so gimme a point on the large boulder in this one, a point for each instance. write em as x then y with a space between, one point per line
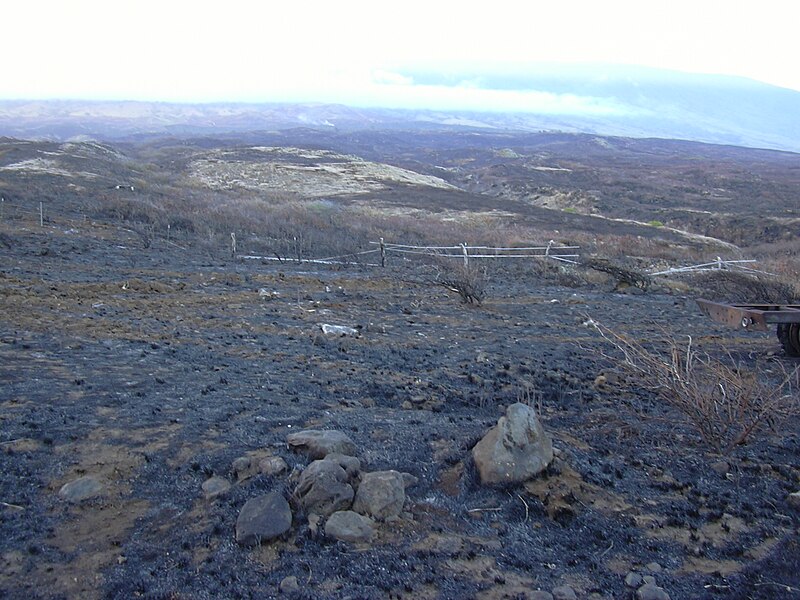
319 443
324 488
515 449
263 518
381 494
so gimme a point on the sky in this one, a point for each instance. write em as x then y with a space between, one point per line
365 52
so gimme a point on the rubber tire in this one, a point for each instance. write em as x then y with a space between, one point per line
789 337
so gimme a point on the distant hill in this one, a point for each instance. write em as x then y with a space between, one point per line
640 102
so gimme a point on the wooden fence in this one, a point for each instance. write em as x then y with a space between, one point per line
717 265
566 254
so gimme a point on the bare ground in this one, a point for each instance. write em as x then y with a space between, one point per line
152 369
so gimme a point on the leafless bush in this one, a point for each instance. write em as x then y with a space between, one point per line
727 401
469 281
623 275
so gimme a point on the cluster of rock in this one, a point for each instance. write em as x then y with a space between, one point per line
332 488
645 585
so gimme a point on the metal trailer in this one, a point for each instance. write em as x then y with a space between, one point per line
757 317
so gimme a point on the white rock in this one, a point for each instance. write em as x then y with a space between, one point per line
339 330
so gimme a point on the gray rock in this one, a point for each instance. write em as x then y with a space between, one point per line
81 489
654 567
318 444
633 580
323 488
272 465
540 595
564 592
794 499
721 467
349 526
514 450
289 585
649 580
350 464
263 518
215 486
381 494
244 468
651 591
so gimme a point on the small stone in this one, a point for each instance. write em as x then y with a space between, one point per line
654 567
409 480
81 489
633 580
649 580
651 591
720 467
272 465
318 444
323 488
313 524
349 526
540 595
244 468
564 592
263 518
215 486
350 464
381 494
240 464
794 499
338 330
289 585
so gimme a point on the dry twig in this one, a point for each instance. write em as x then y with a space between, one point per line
726 400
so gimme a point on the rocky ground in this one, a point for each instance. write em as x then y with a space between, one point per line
149 394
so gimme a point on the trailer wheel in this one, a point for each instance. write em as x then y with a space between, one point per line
789 336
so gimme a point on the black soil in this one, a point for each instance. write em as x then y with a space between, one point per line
152 369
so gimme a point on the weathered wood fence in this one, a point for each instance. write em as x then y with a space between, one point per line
717 265
566 254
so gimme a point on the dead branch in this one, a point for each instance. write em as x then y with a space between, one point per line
727 401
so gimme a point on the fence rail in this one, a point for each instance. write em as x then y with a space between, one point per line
717 265
567 254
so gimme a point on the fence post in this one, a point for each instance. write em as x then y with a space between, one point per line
233 245
383 253
41 214
168 230
719 264
466 255
2 207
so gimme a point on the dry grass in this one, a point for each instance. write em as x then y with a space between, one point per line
727 401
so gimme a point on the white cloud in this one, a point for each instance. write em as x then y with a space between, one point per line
253 49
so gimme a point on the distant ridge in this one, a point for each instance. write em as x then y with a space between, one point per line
646 103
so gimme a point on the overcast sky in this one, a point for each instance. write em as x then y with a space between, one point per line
360 52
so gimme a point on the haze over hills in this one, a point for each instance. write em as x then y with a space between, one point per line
622 101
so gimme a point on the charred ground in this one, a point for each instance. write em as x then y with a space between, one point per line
151 359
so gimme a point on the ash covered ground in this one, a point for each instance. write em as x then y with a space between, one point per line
153 369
